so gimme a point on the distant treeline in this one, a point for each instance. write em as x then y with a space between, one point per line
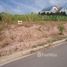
51 13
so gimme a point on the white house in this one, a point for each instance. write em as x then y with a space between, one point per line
55 9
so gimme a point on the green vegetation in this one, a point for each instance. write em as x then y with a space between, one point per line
61 29
8 18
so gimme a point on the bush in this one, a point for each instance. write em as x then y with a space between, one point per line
61 29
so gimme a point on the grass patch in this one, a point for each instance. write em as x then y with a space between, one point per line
32 17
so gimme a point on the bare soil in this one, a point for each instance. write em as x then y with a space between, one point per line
25 36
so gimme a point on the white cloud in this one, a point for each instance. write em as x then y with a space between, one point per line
1 8
21 6
42 3
58 2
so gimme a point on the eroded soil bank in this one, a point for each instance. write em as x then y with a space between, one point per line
25 36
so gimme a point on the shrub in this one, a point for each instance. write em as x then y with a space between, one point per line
61 29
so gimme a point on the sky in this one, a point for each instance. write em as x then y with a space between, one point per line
27 6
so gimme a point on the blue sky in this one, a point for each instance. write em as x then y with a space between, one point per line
27 6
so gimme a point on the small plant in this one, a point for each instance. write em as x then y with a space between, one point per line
61 29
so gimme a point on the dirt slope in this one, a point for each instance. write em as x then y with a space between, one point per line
22 37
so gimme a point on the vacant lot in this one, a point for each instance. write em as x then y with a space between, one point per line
17 37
